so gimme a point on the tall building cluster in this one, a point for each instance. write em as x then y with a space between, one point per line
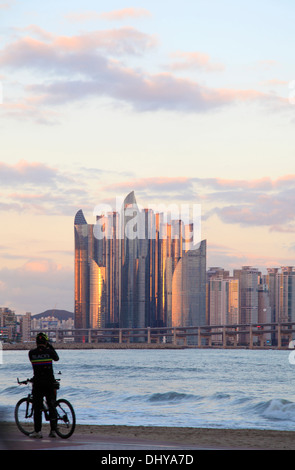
130 279
135 269
14 328
248 296
21 328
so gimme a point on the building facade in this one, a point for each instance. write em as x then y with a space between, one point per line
133 269
281 286
248 293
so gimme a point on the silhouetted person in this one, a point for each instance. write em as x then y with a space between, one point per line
43 383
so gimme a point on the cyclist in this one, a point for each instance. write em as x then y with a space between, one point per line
43 383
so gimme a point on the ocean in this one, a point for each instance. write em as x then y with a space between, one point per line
212 388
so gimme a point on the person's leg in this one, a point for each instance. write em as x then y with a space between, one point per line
37 403
51 398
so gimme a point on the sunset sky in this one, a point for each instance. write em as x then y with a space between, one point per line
190 102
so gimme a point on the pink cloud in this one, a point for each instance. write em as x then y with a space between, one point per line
29 109
264 183
36 30
81 67
288 228
77 17
194 60
49 50
115 15
26 172
160 183
118 41
274 82
125 13
37 266
28 287
285 180
5 5
27 197
259 202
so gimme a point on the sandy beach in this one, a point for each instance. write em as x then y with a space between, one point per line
210 438
191 438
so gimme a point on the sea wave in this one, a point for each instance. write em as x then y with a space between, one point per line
197 388
279 409
171 397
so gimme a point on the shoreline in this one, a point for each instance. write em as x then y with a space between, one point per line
197 438
87 346
162 346
260 439
191 438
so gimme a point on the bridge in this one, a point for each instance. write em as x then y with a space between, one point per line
258 335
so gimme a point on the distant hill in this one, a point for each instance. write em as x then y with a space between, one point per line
59 314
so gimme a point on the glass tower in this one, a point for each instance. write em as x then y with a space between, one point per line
132 270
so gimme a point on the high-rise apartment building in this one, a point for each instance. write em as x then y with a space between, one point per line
26 327
189 288
134 269
248 297
224 301
281 285
248 293
7 324
222 297
271 282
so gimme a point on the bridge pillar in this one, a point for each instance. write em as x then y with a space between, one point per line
224 337
199 337
250 337
279 336
174 336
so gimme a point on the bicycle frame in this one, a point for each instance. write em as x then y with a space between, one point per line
65 412
30 409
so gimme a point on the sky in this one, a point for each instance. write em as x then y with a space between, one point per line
189 102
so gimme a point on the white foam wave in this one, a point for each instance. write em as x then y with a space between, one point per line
278 409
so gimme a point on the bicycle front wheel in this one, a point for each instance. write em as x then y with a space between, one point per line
24 416
66 419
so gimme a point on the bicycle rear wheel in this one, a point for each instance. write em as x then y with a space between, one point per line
24 416
66 419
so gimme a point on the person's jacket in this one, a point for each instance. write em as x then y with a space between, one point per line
41 358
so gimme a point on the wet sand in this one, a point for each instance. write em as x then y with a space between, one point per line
189 438
251 439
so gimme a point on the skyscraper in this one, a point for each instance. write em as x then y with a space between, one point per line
133 269
248 295
82 261
281 285
189 288
222 297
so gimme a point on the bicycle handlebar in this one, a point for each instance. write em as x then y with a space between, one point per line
24 382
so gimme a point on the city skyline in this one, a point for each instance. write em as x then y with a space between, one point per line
190 103
138 268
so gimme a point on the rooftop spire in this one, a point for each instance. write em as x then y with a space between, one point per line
79 218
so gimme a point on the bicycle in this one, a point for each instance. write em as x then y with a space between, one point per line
24 413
